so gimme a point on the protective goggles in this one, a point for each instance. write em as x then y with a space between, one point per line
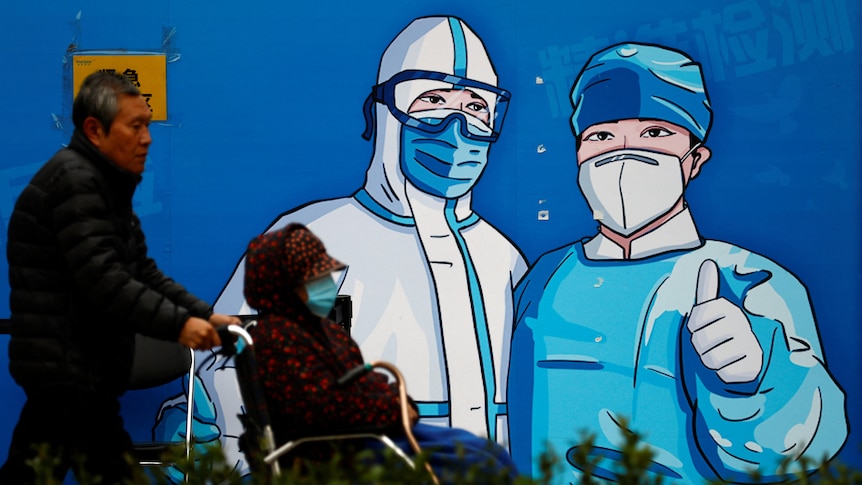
431 101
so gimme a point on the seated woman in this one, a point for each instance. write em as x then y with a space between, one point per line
301 354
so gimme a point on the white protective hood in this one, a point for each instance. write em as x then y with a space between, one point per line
426 44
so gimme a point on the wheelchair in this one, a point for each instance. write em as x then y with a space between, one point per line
258 441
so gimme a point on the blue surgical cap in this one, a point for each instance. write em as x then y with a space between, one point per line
631 81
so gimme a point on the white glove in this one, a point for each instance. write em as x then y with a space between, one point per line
721 333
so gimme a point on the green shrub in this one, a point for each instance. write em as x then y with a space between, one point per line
210 467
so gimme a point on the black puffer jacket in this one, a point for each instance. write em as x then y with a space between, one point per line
82 283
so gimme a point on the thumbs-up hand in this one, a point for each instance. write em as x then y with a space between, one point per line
721 333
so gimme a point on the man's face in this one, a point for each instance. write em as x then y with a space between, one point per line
129 139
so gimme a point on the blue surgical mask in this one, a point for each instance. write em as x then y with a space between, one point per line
445 164
321 295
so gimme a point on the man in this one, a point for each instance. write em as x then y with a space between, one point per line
431 282
83 286
708 350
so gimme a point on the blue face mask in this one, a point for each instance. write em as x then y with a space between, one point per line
445 163
321 295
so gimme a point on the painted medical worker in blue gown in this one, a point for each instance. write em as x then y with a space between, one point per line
431 282
707 349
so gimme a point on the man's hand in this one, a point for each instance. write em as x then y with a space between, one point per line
721 333
199 334
217 319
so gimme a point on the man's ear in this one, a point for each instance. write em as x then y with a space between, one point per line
93 130
699 157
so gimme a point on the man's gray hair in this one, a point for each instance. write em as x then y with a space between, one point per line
98 98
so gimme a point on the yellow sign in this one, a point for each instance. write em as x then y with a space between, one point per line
146 71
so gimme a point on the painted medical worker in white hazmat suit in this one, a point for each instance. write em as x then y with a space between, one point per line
431 282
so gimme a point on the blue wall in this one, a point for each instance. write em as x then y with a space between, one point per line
265 98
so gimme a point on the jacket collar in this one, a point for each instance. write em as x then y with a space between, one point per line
116 175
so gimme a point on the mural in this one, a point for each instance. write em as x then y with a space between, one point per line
708 349
715 145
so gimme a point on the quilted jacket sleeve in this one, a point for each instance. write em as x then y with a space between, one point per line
108 264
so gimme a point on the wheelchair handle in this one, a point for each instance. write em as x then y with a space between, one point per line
234 338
